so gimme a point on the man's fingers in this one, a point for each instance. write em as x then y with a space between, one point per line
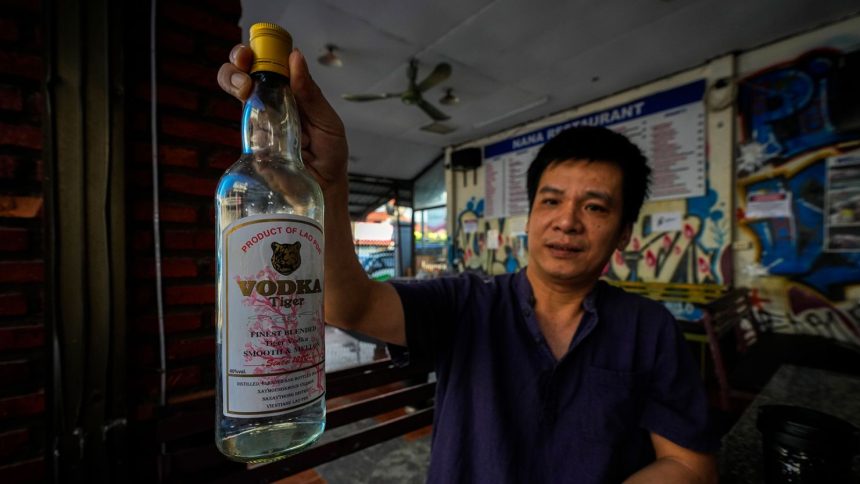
313 105
242 57
234 81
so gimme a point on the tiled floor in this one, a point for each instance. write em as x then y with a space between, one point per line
399 461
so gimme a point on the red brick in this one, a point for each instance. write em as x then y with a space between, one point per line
21 135
13 167
32 470
178 156
15 372
201 20
22 405
8 30
229 7
191 185
202 294
169 212
175 42
22 65
224 108
22 337
177 379
22 271
170 155
218 52
169 96
34 106
189 239
13 440
13 304
173 323
27 5
184 377
10 97
205 241
171 267
13 240
222 159
195 74
38 171
178 239
191 347
200 131
8 166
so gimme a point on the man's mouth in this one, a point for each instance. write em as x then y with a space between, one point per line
565 248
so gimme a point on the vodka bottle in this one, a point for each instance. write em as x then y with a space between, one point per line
270 388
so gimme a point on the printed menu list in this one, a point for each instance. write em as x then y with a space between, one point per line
669 128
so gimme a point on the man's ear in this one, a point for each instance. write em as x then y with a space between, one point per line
626 232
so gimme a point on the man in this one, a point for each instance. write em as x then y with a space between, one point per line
547 375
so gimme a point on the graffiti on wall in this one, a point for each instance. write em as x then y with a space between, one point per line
696 253
473 250
787 135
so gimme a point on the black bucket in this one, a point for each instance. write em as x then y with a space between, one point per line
803 446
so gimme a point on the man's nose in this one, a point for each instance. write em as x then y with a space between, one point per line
569 221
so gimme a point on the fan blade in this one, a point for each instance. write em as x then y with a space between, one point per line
432 111
439 74
368 97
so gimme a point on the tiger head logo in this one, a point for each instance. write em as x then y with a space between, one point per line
286 258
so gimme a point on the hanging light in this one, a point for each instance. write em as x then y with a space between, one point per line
330 59
449 98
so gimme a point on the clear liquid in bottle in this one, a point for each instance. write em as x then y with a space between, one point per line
270 387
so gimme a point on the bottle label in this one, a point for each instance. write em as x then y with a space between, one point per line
273 332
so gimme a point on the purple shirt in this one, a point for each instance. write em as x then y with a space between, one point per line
507 411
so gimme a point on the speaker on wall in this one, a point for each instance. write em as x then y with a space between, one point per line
467 158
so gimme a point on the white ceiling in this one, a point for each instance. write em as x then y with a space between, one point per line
529 58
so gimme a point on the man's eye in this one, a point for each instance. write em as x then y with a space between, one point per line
549 201
595 208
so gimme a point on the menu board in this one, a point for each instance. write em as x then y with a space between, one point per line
842 203
669 128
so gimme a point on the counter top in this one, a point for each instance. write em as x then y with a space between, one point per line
837 394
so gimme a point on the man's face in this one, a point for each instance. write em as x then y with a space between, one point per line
575 222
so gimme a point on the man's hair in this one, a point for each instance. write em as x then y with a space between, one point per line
597 144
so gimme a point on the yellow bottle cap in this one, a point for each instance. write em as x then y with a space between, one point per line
271 46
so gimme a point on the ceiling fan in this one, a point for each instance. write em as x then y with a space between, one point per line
412 94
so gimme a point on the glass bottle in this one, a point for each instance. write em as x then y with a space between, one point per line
270 384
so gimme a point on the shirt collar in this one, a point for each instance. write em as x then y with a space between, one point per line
526 296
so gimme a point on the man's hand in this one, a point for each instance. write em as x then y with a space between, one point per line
324 147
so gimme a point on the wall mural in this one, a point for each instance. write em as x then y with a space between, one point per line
472 250
787 137
695 253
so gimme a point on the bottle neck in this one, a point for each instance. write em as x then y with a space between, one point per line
270 120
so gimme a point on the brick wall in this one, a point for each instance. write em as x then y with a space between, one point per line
23 359
198 139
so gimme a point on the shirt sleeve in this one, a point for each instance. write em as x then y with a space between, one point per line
431 309
676 406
